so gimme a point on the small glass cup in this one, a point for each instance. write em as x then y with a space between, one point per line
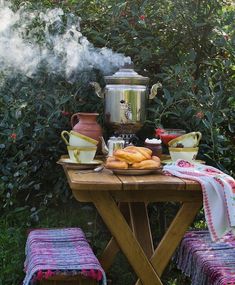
155 148
169 134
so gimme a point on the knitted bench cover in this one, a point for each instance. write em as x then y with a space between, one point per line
64 251
207 262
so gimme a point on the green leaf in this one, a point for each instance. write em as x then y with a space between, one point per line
206 124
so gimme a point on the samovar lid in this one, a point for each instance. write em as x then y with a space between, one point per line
127 75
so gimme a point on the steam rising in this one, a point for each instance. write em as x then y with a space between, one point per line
60 46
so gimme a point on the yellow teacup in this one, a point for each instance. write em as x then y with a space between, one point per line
188 140
186 153
81 154
77 139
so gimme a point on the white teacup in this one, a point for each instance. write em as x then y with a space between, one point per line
188 140
81 154
77 139
186 153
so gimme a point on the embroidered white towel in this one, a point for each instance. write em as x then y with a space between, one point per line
218 194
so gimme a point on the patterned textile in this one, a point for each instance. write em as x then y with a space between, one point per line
218 194
60 251
205 261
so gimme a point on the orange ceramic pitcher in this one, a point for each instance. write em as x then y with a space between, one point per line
86 124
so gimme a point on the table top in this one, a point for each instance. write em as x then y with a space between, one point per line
107 181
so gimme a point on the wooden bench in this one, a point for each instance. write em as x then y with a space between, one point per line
207 262
61 256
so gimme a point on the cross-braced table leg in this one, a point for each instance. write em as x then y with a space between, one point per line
112 247
173 236
136 215
125 238
141 227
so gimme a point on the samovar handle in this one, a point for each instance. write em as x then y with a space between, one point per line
98 90
154 89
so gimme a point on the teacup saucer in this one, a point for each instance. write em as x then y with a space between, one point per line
75 165
169 161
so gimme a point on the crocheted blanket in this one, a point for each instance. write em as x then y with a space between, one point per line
207 262
218 191
60 251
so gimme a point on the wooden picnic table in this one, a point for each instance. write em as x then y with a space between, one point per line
122 203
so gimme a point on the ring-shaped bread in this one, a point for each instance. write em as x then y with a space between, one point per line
147 164
116 164
146 152
129 155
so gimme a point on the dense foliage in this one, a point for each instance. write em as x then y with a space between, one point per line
34 112
187 45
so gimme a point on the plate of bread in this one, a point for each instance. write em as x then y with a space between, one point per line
133 160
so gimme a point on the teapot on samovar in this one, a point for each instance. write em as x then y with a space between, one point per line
126 96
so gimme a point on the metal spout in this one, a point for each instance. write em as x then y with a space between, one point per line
154 90
98 90
104 147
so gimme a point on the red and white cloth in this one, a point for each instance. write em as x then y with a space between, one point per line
218 194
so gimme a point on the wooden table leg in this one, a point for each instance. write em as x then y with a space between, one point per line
120 230
112 247
136 215
141 227
173 236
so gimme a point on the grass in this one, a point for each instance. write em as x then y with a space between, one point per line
13 235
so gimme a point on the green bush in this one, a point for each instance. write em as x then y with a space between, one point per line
34 111
34 108
187 45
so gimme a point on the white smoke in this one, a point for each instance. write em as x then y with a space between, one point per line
65 51
14 52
